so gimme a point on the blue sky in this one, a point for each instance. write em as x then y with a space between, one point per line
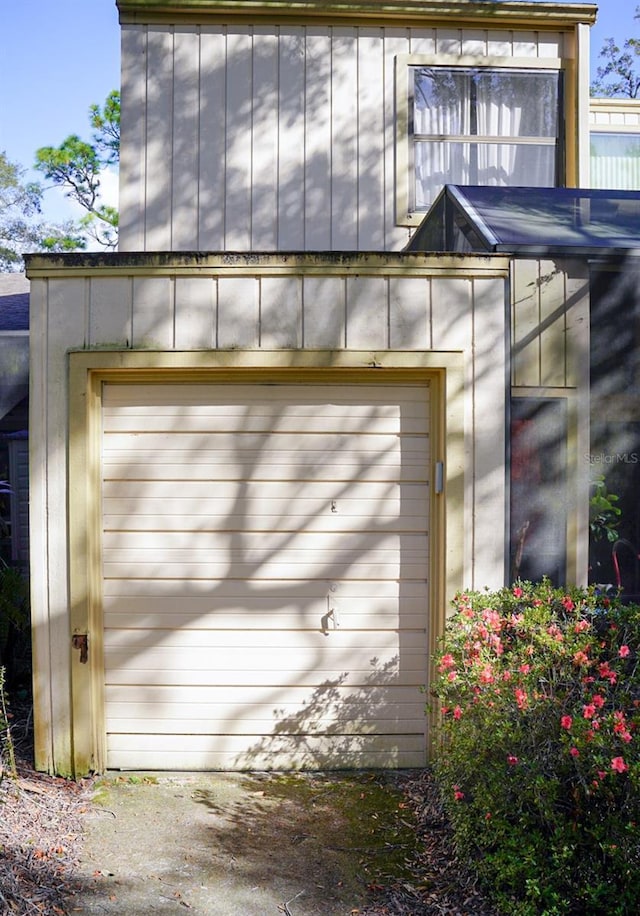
57 58
60 56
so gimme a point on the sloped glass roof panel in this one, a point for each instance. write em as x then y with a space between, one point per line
535 221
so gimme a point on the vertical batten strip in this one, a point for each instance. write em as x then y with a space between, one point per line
133 128
211 152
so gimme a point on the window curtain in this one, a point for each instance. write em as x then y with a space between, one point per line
442 108
484 103
513 105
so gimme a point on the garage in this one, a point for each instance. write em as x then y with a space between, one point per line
265 559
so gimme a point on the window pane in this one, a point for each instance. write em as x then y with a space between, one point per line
516 165
463 102
615 161
441 101
507 164
437 164
516 104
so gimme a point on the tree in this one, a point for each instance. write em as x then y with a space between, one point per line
76 166
20 228
618 77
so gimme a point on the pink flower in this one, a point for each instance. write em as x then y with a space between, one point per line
606 672
486 675
574 752
522 699
447 661
566 722
511 760
589 711
492 618
517 592
597 701
524 669
581 626
567 603
457 794
624 651
580 658
619 765
457 713
452 675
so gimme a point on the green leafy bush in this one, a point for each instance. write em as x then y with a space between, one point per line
7 754
539 694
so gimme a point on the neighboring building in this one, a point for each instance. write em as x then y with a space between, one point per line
268 443
615 143
14 410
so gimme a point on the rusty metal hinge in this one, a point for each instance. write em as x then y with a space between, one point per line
81 641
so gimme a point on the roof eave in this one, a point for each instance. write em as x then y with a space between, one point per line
389 12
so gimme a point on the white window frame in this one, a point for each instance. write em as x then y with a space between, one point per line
405 63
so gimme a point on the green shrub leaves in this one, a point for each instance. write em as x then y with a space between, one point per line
539 695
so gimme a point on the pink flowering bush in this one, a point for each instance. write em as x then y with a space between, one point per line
538 694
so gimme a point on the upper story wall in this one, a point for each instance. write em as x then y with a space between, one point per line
272 127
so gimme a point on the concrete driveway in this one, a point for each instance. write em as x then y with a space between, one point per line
238 844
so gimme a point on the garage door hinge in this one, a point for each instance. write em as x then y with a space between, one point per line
439 481
81 641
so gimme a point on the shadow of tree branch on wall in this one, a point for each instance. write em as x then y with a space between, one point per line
340 726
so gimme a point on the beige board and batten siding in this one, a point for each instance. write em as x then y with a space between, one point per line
143 318
284 137
265 561
550 359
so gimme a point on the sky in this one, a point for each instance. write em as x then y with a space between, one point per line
57 58
60 56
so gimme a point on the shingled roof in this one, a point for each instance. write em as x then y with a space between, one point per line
14 302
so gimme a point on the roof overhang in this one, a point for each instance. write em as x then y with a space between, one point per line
384 12
531 222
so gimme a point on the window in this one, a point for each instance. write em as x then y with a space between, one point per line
615 160
481 126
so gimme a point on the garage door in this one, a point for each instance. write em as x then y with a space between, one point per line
265 555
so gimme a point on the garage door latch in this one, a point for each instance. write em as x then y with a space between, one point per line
81 641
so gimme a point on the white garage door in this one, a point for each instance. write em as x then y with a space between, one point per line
265 575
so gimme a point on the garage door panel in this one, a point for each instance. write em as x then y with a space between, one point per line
327 752
231 589
282 521
253 724
363 605
275 697
366 677
369 640
235 519
227 619
270 447
259 494
180 543
272 571
331 661
139 468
